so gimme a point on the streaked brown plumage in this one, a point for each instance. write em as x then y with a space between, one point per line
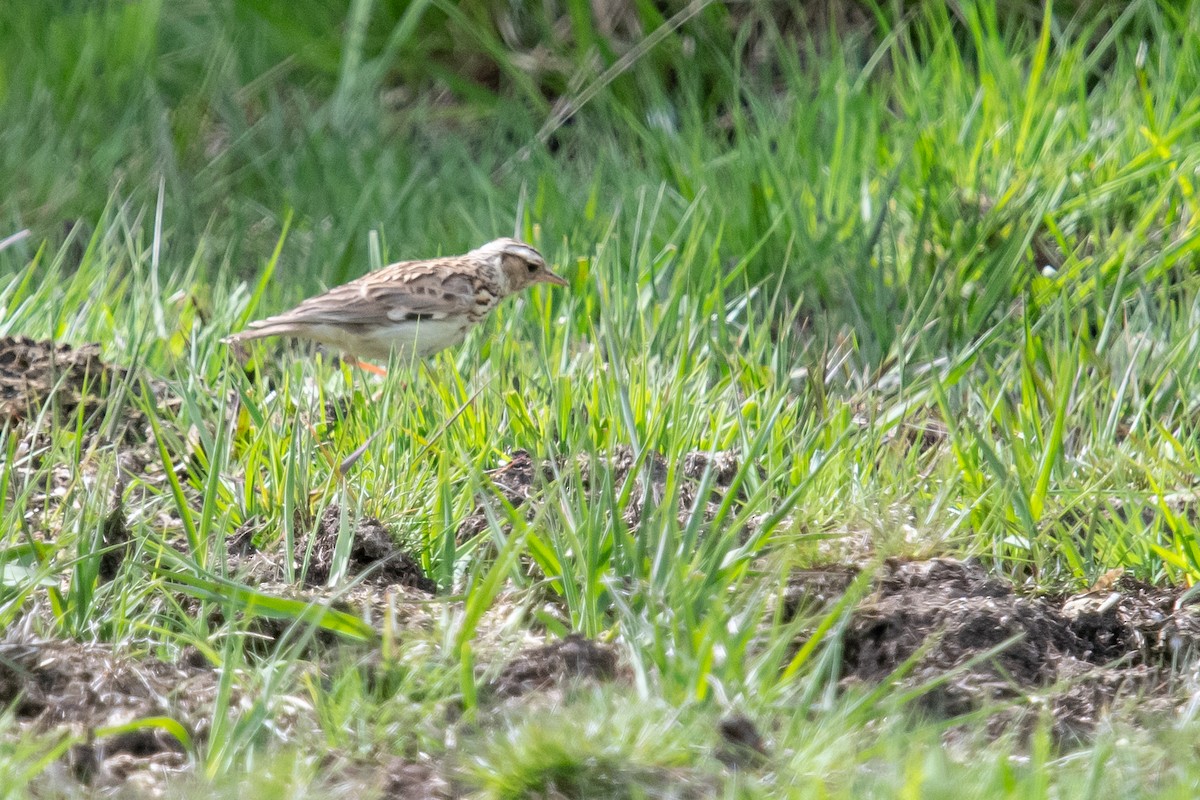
414 307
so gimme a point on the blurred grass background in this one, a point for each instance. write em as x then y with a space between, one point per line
857 143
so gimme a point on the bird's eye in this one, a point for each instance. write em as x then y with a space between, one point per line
531 266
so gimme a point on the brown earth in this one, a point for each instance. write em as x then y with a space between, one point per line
43 384
1076 657
413 780
373 558
32 371
546 671
741 746
381 581
572 658
82 688
75 380
518 480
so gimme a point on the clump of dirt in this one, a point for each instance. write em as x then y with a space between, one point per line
741 745
116 539
31 371
817 587
39 377
516 481
621 466
413 780
374 558
76 379
957 613
56 685
378 584
571 658
1079 655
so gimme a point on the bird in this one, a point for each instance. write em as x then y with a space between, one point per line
411 308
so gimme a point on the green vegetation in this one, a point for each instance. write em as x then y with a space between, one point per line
928 269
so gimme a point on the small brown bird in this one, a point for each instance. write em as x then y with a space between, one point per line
414 308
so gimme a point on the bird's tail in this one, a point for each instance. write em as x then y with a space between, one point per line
258 330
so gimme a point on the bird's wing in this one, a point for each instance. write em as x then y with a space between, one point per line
403 292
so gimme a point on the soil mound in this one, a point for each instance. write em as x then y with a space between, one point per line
948 625
517 481
568 659
86 687
374 558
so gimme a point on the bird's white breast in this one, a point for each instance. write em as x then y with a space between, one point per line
410 339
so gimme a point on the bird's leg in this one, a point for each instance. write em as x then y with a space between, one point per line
366 366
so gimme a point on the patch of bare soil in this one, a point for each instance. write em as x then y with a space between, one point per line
76 380
32 371
81 688
381 580
545 670
515 482
413 780
45 383
741 746
1076 656
817 587
374 559
570 659
518 480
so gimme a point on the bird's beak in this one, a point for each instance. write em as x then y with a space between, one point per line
550 277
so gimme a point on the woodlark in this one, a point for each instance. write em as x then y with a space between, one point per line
414 308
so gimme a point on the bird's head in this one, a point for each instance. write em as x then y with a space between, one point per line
521 264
